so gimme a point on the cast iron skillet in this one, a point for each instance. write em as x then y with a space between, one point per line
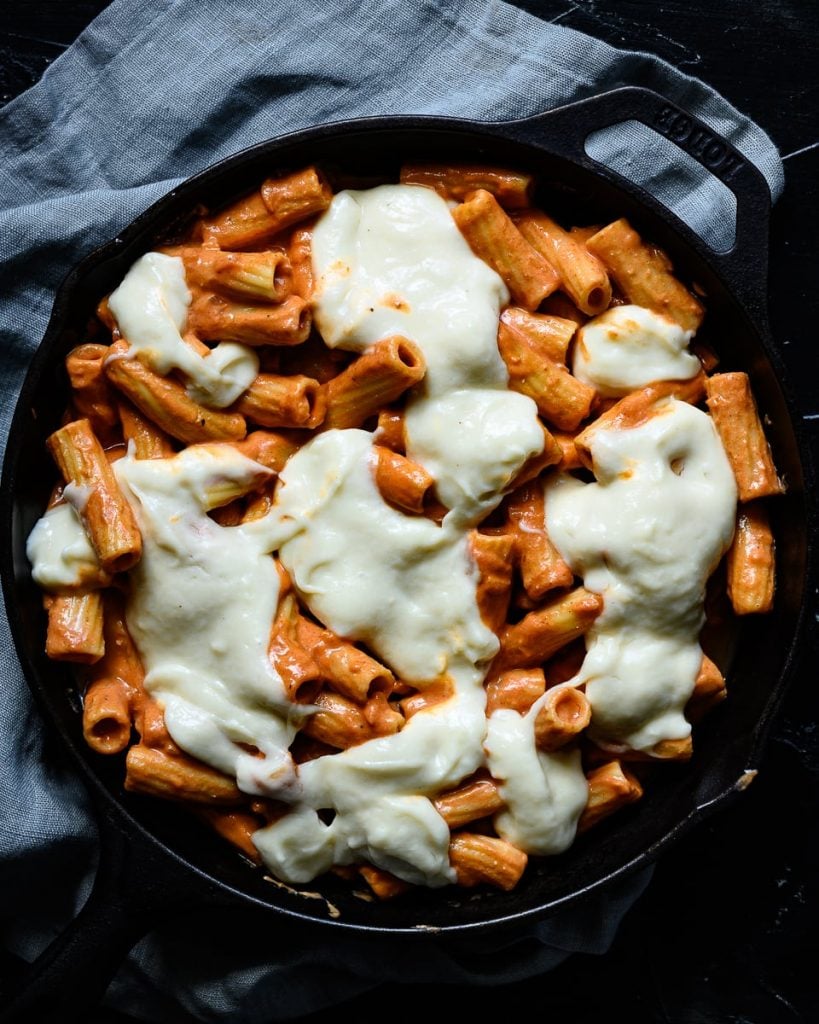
154 859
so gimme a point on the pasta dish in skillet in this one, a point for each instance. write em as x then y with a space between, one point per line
385 521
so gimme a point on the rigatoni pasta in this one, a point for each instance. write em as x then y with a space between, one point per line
213 318
165 402
75 627
644 274
259 276
512 189
91 395
531 349
403 483
106 515
582 275
347 551
494 238
375 379
732 406
273 400
259 217
751 562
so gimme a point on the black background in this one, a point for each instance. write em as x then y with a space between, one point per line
728 929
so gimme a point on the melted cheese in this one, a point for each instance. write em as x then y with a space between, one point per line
406 587
202 601
629 346
401 584
473 442
59 549
391 260
544 793
151 306
646 536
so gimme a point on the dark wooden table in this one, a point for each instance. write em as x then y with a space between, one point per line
728 929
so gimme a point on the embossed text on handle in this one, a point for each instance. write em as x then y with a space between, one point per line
696 140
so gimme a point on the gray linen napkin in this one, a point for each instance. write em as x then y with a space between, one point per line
148 95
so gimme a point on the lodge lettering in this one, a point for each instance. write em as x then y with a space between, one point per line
695 140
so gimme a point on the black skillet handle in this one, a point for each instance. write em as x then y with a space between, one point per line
137 886
566 129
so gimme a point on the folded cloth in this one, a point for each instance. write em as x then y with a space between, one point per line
154 92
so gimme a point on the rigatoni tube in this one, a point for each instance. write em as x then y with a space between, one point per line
494 238
103 509
375 379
